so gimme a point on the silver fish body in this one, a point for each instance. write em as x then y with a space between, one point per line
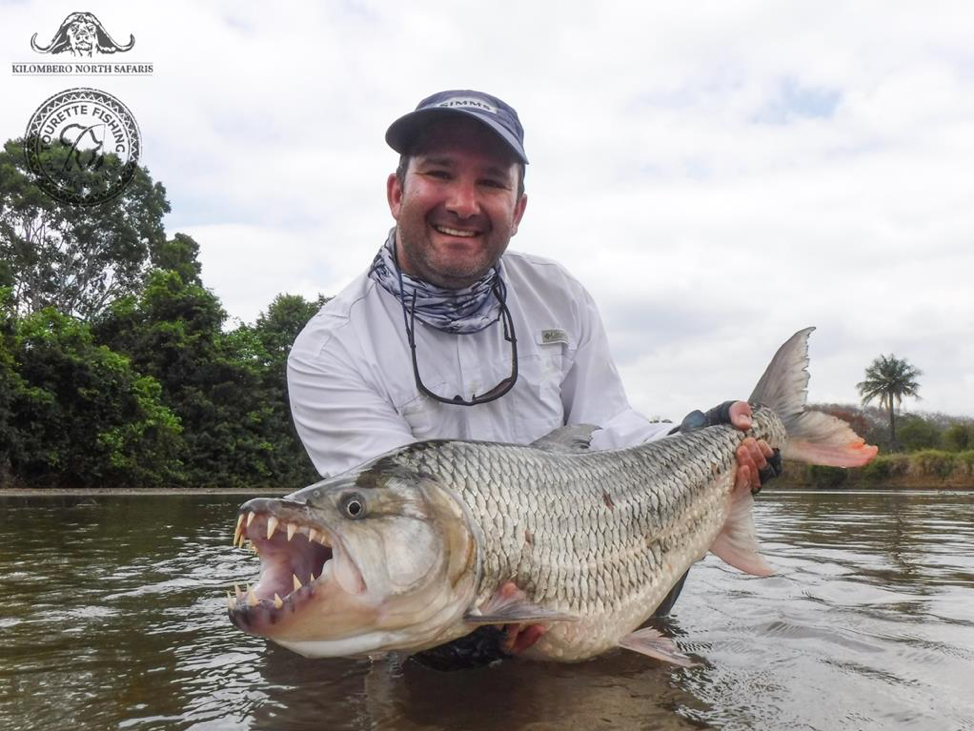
602 536
574 548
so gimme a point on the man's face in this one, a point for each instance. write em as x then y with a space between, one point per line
458 207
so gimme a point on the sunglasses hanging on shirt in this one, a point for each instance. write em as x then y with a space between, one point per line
499 290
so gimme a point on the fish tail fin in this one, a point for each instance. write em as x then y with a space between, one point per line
812 436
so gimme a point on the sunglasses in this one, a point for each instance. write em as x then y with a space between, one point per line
409 319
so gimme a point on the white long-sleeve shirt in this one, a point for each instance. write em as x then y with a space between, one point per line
354 396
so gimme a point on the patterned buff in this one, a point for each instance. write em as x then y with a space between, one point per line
462 311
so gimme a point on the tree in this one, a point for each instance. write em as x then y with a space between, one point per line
81 416
917 433
216 382
276 329
75 259
959 437
180 254
888 380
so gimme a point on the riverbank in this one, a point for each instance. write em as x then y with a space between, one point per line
929 469
924 470
95 492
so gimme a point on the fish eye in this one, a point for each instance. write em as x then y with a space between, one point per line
353 506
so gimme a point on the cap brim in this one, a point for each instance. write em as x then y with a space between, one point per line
404 130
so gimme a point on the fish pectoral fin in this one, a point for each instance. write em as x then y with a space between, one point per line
510 605
650 642
737 543
573 439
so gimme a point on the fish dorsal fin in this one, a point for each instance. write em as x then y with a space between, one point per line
571 439
784 385
510 605
650 642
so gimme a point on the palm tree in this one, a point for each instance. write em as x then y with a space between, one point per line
889 379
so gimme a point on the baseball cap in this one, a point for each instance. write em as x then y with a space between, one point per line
491 111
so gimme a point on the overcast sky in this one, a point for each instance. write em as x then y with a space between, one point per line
719 175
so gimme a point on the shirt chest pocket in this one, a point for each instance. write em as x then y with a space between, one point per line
542 370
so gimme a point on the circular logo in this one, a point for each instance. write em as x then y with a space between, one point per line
82 146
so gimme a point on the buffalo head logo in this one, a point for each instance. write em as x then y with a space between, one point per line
82 34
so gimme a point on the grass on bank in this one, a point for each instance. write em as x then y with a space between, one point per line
924 468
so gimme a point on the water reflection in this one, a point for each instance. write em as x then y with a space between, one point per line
113 617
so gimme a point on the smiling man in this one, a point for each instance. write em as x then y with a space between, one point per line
449 335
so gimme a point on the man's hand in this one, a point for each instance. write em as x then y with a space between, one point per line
752 454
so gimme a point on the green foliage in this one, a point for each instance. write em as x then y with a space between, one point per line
825 477
276 330
917 433
959 437
965 462
227 389
73 259
932 463
114 364
886 466
179 254
888 380
82 415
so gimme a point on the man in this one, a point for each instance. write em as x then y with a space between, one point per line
449 335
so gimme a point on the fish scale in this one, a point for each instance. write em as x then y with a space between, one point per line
423 543
610 531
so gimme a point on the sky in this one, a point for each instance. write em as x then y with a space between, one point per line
718 175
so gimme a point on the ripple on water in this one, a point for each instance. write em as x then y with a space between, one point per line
867 625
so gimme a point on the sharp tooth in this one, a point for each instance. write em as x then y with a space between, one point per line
250 518
278 602
229 601
271 526
236 590
291 527
237 530
322 541
312 577
312 534
326 570
297 584
251 598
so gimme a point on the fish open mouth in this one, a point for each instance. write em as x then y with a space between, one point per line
298 562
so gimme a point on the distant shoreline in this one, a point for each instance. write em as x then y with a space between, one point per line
94 491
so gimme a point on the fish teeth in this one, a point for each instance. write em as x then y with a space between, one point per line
297 583
271 526
278 602
291 528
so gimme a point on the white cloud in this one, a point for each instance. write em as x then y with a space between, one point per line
717 176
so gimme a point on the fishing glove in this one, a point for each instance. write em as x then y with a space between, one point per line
721 415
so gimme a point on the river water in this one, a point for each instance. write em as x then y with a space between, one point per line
113 616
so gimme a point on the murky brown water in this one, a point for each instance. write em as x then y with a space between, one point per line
112 616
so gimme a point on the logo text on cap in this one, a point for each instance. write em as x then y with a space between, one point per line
462 101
